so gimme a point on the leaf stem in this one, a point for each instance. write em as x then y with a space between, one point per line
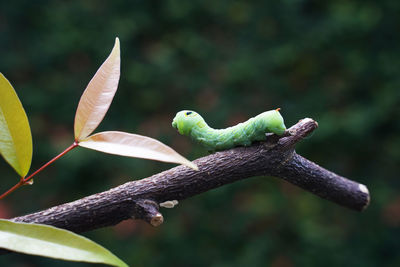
23 181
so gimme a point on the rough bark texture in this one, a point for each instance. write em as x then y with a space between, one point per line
140 199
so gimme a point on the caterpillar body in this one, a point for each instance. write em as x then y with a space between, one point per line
191 124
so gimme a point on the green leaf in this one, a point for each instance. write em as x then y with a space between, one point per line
52 242
15 133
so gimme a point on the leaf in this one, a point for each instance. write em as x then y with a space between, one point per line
15 133
52 242
97 97
134 145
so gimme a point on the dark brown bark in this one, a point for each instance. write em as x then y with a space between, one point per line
140 199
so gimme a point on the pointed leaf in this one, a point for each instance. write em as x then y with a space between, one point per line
15 133
98 95
134 145
52 242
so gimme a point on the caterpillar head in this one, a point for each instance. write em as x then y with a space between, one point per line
185 120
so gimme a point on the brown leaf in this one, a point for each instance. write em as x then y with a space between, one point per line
134 145
97 97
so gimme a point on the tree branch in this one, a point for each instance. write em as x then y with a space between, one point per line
140 199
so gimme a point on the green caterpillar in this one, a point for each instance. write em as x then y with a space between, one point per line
191 124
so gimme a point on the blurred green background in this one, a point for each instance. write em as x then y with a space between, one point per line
335 61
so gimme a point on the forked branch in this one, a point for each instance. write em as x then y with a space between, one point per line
140 199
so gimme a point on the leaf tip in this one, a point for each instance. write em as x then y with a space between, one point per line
192 165
116 45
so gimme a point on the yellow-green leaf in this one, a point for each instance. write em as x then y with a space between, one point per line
97 97
52 242
15 133
134 145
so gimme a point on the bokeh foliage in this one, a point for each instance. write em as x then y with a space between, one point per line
334 61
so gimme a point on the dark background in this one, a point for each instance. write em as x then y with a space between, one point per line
334 61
